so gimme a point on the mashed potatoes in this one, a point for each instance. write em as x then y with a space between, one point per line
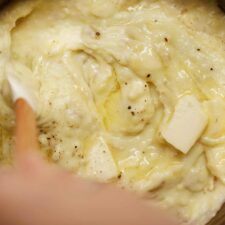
129 91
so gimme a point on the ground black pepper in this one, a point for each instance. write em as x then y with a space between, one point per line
98 34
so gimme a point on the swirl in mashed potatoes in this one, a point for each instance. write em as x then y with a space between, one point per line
129 91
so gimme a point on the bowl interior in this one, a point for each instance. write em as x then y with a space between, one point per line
219 219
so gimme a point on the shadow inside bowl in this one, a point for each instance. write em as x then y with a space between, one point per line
219 219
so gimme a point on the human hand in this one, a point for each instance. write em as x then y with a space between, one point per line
38 193
35 192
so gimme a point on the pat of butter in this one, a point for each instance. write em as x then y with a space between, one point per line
187 124
101 165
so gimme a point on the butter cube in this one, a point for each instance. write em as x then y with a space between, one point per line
187 124
101 164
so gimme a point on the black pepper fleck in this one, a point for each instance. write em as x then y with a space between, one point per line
149 75
198 49
120 176
211 69
129 107
133 113
166 39
98 34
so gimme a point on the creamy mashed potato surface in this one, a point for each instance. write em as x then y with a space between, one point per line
129 91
